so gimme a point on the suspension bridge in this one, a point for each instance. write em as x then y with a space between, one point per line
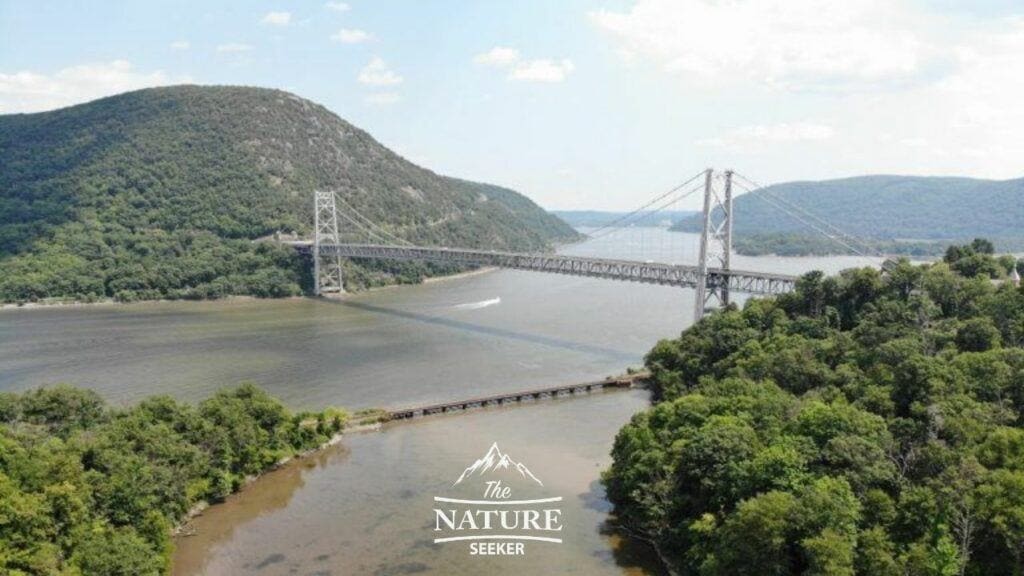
712 277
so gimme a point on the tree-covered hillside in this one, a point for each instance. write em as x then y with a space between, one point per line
160 193
886 209
870 423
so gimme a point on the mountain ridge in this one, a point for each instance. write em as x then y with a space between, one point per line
888 209
158 193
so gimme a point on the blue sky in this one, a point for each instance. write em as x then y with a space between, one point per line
579 104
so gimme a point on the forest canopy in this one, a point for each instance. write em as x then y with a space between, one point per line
164 193
86 489
868 423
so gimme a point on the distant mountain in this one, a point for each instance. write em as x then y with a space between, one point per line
597 218
494 462
888 209
160 193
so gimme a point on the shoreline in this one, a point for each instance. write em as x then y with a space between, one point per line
181 530
235 298
231 299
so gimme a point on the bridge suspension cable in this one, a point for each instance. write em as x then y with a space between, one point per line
370 234
836 235
850 237
371 225
620 221
650 213
768 200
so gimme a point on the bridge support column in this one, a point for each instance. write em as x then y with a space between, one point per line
715 246
326 266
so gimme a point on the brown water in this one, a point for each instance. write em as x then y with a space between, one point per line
364 507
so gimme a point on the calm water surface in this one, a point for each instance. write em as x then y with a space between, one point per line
365 507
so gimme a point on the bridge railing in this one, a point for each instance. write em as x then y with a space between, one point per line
613 269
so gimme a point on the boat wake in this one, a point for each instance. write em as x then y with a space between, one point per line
477 305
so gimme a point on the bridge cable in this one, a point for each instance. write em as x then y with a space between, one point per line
767 199
836 229
771 201
598 233
371 224
615 223
362 228
846 235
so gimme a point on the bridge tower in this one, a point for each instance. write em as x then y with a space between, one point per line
326 267
715 245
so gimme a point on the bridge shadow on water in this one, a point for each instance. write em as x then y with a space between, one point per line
551 342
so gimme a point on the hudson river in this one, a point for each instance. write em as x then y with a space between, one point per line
365 506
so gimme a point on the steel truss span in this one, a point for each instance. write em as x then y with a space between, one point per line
645 272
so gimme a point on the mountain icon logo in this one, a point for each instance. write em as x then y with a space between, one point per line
495 462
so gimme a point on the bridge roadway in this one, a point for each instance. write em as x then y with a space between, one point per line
626 270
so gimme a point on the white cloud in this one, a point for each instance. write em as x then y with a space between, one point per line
338 6
896 86
792 44
180 45
351 36
746 137
382 98
541 71
499 56
377 73
27 91
234 47
277 18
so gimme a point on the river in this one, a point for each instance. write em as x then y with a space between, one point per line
364 507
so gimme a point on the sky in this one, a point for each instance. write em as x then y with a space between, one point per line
578 104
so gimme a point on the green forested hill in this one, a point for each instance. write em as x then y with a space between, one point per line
866 424
160 193
886 209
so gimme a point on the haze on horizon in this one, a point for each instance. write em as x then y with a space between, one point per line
578 104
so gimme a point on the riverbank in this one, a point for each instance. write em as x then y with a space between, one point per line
51 304
74 304
184 529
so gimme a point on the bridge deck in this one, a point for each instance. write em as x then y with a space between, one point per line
625 270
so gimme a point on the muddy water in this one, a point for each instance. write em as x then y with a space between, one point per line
365 506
